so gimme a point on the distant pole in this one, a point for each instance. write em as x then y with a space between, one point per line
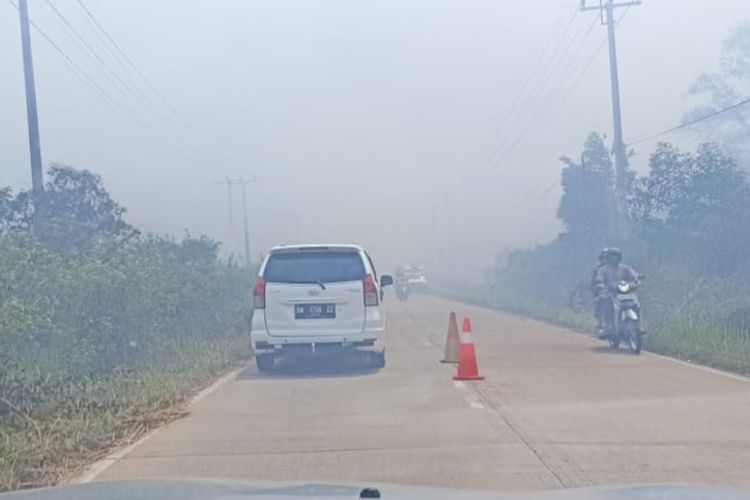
37 179
244 182
618 146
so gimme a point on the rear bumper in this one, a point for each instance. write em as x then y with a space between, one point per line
315 349
370 339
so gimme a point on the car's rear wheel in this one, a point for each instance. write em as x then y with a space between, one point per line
265 362
377 359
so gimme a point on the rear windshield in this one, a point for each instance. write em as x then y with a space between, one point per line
314 266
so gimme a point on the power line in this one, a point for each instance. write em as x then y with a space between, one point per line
127 59
585 68
104 43
588 63
583 71
129 65
547 102
533 69
85 47
556 58
101 91
552 101
691 122
121 107
122 86
80 73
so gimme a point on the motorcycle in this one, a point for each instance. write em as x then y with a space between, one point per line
402 291
624 324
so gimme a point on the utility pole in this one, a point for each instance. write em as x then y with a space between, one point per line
231 183
606 12
244 182
35 153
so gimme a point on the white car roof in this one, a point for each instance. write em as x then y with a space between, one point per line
316 246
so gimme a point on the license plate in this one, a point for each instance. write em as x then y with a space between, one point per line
314 311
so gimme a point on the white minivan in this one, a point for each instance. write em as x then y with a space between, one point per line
314 299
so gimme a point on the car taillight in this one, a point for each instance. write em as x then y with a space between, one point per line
371 291
259 294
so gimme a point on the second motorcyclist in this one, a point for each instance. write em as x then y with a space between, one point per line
606 277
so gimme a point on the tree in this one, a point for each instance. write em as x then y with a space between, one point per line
75 211
588 201
655 195
716 191
696 208
723 89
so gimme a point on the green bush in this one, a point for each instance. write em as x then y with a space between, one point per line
101 336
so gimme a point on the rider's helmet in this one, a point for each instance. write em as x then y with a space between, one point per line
614 256
603 256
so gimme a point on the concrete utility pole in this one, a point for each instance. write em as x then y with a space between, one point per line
244 182
35 152
606 11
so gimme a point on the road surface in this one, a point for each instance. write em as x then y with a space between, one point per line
557 409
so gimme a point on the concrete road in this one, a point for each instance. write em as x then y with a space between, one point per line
557 409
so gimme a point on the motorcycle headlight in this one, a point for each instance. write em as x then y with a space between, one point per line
623 287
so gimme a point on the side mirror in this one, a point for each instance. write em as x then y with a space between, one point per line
386 280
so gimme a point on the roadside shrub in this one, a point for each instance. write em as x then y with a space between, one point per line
103 330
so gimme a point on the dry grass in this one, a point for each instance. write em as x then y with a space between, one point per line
84 424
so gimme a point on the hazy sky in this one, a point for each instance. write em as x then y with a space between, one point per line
355 117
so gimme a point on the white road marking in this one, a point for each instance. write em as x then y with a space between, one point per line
470 398
105 463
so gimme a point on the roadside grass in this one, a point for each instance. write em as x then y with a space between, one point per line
702 342
82 420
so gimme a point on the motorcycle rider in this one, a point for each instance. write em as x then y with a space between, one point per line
606 277
595 292
402 285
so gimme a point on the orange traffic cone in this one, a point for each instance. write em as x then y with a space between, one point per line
451 341
467 356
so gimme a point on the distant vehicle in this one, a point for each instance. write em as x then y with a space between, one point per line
402 289
415 279
315 299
